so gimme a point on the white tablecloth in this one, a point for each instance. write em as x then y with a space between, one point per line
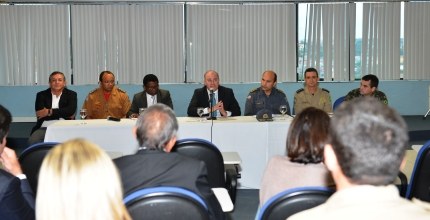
255 142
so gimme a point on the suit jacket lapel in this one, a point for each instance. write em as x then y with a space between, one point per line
144 101
220 94
63 98
159 99
49 98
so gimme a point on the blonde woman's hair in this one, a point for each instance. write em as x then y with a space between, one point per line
78 180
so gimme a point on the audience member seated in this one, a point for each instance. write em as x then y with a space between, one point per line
312 94
107 100
224 103
150 95
303 165
155 165
267 96
78 180
16 196
368 87
56 102
366 149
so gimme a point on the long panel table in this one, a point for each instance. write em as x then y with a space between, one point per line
255 142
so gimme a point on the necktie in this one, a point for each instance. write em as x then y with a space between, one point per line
213 103
153 99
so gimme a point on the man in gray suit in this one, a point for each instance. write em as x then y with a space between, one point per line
150 95
154 163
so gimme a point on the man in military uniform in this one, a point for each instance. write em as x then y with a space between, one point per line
368 87
107 100
267 96
312 95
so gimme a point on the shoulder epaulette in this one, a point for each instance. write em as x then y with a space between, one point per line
94 90
254 90
325 90
119 89
300 90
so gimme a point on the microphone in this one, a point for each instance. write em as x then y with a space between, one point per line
211 93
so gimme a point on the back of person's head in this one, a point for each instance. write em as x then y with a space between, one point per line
78 180
156 127
150 78
369 140
5 120
374 81
307 136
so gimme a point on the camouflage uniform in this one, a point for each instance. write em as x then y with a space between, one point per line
116 106
320 99
258 100
377 94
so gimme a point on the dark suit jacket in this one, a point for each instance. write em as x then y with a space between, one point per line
139 100
67 106
16 198
201 99
150 168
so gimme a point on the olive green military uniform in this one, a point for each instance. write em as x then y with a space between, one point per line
320 99
98 107
377 94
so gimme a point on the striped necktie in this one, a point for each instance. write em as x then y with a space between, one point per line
213 103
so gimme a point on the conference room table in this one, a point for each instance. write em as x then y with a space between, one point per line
255 142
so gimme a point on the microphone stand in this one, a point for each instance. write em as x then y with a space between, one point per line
211 117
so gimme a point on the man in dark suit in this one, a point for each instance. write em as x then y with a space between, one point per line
225 104
155 165
52 104
151 94
16 197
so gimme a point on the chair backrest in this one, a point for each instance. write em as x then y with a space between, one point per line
291 201
338 102
419 184
207 152
403 187
167 203
31 160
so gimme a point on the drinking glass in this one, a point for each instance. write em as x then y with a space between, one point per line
83 113
141 110
283 110
200 111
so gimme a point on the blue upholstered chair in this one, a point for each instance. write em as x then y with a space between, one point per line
292 201
167 203
419 184
207 152
338 102
31 160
